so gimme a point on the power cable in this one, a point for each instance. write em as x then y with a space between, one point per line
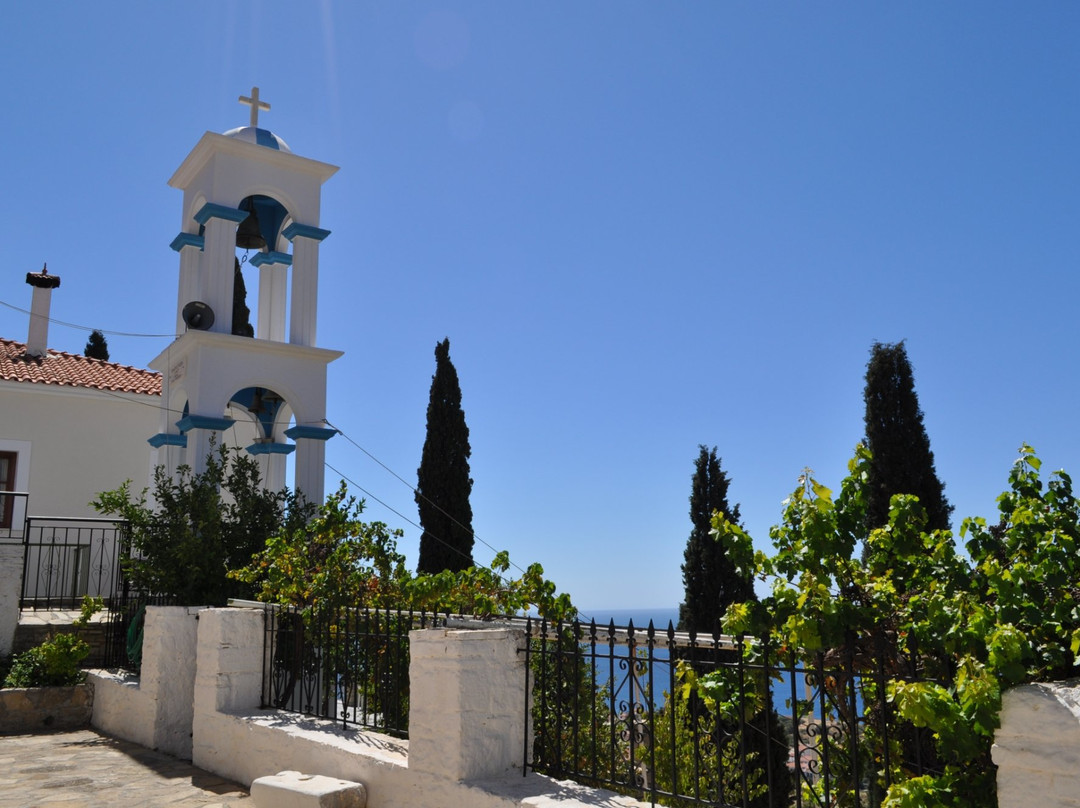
89 328
417 493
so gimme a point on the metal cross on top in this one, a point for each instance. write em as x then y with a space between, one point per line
255 105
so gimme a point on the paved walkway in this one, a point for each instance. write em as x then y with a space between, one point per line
83 769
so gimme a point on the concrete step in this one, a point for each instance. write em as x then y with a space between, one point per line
295 790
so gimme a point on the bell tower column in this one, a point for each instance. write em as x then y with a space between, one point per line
190 248
310 459
199 429
273 287
305 284
219 255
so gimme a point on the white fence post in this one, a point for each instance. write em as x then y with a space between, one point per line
466 702
1037 748
155 708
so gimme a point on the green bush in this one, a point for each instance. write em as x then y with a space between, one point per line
53 663
198 526
56 661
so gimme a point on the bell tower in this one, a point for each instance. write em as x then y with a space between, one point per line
260 387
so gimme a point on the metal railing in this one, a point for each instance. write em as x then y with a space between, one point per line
679 719
12 515
350 666
67 558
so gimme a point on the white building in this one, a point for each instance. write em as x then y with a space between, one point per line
70 426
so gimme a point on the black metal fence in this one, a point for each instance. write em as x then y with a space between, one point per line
65 559
347 665
678 719
124 619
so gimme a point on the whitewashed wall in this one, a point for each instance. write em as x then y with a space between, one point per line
76 443
154 710
11 572
1037 748
466 719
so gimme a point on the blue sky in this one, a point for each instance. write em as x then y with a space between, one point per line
643 227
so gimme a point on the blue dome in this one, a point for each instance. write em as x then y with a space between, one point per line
260 137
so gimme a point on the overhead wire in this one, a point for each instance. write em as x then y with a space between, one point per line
416 492
127 397
89 328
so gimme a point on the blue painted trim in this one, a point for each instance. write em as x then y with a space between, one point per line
312 432
304 231
264 137
271 258
187 240
189 422
213 211
271 448
165 439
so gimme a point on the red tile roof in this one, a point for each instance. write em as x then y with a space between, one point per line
73 370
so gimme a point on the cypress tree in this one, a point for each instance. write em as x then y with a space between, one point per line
712 584
902 462
443 483
709 578
96 347
241 314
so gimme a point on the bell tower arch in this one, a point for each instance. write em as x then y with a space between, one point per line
245 189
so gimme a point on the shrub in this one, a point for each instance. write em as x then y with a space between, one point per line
56 661
197 527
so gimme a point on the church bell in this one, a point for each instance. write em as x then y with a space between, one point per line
248 234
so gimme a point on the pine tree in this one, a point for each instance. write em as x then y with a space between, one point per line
902 462
443 483
96 347
709 577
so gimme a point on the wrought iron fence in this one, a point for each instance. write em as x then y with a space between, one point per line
347 665
685 720
124 620
67 558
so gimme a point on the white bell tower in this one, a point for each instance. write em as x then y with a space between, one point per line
261 387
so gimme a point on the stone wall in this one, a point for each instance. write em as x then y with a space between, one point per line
31 635
41 709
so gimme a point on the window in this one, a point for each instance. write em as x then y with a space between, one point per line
7 483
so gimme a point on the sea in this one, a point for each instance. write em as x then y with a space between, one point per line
660 617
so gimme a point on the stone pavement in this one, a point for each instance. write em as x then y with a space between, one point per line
84 769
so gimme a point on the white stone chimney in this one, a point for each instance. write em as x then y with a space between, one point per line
37 341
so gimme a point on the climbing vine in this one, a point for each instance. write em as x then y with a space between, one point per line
337 559
952 631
